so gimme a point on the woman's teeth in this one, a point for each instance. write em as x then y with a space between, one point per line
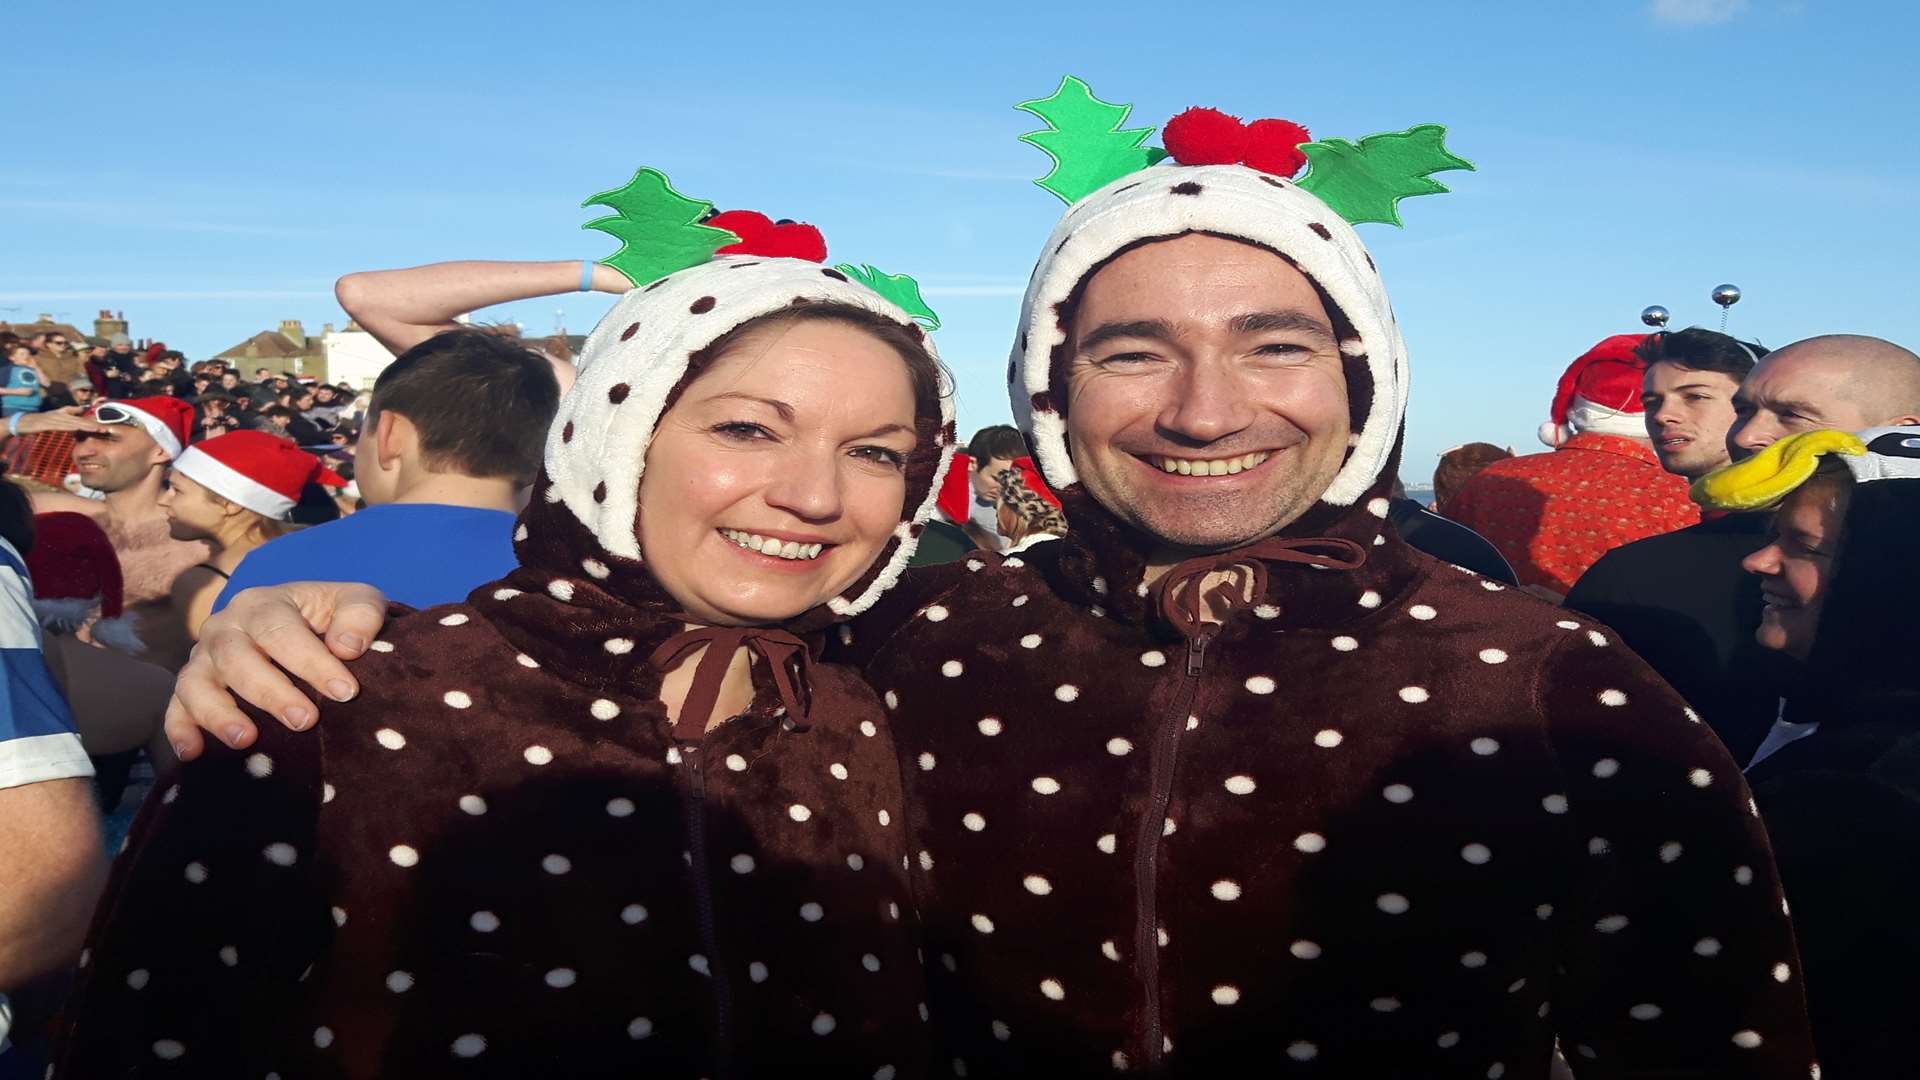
767 545
1210 467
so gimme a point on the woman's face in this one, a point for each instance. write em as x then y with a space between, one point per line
193 513
775 481
1797 566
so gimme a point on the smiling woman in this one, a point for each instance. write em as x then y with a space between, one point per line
609 816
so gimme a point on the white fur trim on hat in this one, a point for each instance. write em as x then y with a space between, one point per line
155 427
1584 415
230 483
640 351
1231 200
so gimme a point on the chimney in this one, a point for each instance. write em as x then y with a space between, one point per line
294 332
326 329
105 314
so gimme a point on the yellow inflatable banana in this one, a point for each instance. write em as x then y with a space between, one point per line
1761 481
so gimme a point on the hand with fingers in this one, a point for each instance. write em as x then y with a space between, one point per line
74 418
306 628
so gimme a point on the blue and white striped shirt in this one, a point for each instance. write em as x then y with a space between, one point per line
37 737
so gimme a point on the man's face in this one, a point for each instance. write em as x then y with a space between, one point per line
117 459
57 342
985 487
229 381
1206 404
260 375
83 393
1789 392
123 349
1688 413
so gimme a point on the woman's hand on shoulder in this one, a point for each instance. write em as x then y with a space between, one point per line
239 648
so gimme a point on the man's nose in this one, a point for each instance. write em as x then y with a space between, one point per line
1208 404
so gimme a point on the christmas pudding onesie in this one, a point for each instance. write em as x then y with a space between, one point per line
1391 819
501 859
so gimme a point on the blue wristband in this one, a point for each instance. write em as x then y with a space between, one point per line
13 423
586 275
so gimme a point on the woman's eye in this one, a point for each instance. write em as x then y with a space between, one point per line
880 455
740 429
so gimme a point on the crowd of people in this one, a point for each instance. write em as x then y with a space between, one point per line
710 709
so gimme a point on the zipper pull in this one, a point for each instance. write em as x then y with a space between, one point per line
1197 653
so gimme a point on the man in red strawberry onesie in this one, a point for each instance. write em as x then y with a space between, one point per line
1553 515
1229 780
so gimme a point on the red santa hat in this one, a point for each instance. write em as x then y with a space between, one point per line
956 491
168 419
261 472
75 571
1600 393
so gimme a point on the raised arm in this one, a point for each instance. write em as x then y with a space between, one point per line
402 308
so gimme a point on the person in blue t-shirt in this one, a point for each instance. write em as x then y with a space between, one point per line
22 388
455 430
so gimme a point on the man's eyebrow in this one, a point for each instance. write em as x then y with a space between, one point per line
1150 329
785 410
1259 321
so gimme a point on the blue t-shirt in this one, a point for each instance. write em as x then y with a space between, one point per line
418 554
18 377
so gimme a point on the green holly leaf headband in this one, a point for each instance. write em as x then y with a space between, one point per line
661 231
1362 181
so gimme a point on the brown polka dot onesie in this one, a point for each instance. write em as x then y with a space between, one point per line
501 860
1391 819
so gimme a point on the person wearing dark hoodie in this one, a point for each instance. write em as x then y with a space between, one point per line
610 816
1838 778
1231 781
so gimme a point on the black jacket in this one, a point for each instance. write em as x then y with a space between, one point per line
1682 601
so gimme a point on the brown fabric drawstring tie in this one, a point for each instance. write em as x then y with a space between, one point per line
777 647
1185 608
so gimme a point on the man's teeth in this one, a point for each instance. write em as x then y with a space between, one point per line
767 545
1210 467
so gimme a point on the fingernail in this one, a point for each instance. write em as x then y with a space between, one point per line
234 735
354 642
180 750
298 717
339 689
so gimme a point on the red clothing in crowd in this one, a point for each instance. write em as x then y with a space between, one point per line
1554 514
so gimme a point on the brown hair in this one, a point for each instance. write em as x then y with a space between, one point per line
1458 465
481 402
1024 510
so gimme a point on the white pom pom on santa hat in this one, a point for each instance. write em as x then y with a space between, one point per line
261 472
1600 392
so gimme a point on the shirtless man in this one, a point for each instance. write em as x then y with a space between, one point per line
128 459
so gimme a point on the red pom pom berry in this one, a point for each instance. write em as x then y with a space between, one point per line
1205 137
1273 146
760 236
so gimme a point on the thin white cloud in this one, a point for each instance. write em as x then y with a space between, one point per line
111 294
1696 12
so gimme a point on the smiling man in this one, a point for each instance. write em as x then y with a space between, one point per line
1680 599
1229 780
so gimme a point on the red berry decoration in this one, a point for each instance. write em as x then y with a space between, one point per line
760 236
1273 146
1205 137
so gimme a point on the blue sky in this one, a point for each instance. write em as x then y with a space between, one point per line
211 168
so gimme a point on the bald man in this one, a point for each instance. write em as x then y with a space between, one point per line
1842 381
1681 600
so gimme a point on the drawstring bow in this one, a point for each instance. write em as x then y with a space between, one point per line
1182 600
788 661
